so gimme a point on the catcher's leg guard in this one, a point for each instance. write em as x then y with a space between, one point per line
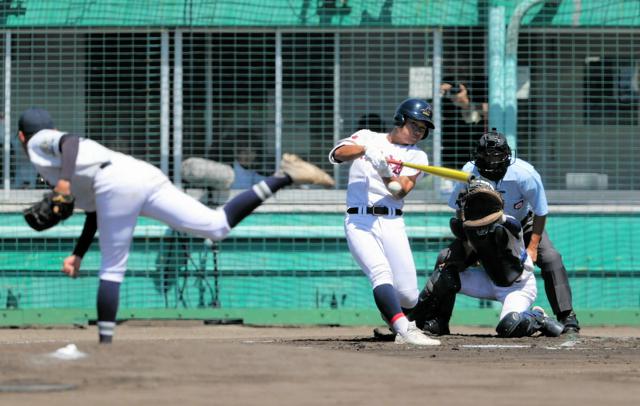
437 299
527 323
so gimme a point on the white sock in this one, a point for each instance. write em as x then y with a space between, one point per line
400 325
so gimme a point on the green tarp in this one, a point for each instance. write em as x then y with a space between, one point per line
305 13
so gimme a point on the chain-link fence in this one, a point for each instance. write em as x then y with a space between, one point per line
242 82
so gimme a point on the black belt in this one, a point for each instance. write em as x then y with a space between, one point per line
105 164
376 211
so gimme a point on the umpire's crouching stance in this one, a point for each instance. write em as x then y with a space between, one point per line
114 189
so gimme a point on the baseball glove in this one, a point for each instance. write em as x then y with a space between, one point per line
481 205
49 211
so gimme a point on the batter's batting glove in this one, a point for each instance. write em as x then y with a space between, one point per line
48 212
378 160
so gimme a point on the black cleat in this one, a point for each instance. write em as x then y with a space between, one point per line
436 328
105 339
570 322
384 334
548 326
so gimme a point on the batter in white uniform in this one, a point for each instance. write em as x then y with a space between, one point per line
114 189
374 225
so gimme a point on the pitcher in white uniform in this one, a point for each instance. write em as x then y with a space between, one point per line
374 225
114 189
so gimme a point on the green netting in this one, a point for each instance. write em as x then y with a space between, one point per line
289 261
75 13
241 82
341 13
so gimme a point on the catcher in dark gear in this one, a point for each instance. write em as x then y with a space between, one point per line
524 199
505 273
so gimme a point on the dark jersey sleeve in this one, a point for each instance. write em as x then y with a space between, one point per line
69 145
88 232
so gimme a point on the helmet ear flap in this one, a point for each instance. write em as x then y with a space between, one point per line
398 119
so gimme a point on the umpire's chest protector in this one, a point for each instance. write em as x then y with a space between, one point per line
501 252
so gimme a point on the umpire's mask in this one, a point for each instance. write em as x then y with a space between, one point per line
493 155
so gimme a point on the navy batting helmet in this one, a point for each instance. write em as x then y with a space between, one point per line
415 109
493 155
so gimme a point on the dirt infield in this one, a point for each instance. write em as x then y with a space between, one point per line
190 364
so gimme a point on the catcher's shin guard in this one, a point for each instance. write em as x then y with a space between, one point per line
527 323
437 299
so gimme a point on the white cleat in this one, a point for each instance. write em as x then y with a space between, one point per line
415 336
303 172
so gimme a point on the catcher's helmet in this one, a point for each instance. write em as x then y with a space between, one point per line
415 109
493 155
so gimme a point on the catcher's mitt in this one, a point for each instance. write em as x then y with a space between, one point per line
49 211
482 205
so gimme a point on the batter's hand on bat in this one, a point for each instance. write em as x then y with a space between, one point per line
448 173
378 160
71 265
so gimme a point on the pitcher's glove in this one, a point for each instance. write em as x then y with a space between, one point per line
49 211
481 205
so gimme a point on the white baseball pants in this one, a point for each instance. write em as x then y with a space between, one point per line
124 192
379 244
515 298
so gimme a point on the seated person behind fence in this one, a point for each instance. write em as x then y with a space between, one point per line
114 189
373 122
494 240
243 163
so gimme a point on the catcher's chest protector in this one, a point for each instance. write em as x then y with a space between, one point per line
501 253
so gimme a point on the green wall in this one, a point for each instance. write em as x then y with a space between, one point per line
288 264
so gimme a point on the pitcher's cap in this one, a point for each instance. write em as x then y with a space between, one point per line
33 120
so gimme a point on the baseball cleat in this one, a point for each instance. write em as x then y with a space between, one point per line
548 327
434 327
384 334
570 323
303 172
415 336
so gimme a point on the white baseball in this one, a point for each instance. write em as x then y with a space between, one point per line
394 187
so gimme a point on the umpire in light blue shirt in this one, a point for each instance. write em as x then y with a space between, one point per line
525 199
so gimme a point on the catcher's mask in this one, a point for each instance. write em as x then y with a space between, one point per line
493 155
482 205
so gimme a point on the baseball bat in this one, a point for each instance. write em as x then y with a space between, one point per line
441 171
